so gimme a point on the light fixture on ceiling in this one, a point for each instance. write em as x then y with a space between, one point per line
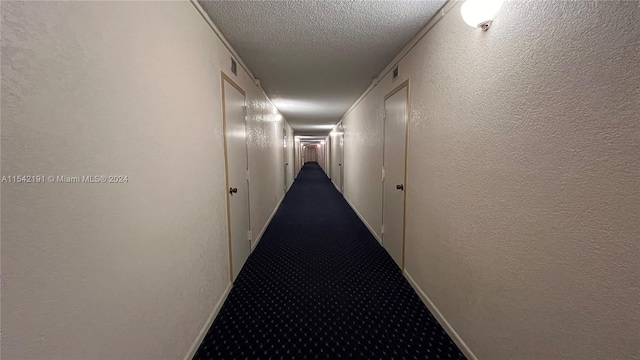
480 13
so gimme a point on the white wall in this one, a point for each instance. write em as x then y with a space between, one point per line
320 156
363 140
266 162
310 153
336 156
290 156
523 177
297 153
325 155
118 271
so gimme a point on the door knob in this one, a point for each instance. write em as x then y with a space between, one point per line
400 187
233 190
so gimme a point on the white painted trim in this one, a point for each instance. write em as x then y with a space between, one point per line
373 232
441 319
336 185
264 228
226 44
412 43
207 324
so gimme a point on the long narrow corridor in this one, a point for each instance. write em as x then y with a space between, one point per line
319 286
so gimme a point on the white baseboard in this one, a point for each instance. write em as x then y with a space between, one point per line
207 325
264 228
364 221
438 315
336 185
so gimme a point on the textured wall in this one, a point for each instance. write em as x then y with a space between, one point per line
264 144
329 149
336 156
116 271
320 155
523 177
290 155
316 56
296 155
326 147
363 141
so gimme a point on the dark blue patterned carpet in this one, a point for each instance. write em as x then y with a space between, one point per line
319 286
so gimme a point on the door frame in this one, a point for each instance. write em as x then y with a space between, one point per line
395 90
224 77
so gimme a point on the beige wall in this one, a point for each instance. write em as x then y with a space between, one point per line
290 156
326 155
320 155
523 177
118 271
363 141
336 156
328 147
297 151
266 167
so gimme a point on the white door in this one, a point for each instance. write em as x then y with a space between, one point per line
233 99
395 132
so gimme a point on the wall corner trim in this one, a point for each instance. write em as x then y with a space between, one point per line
441 319
266 224
410 45
375 235
218 33
336 185
233 52
207 324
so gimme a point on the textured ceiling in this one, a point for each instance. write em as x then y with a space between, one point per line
315 58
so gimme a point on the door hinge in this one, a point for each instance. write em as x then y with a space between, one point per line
249 235
385 114
383 173
244 112
248 175
382 229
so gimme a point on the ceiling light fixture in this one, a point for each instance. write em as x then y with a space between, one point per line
480 13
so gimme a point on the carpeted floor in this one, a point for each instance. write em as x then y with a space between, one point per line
319 286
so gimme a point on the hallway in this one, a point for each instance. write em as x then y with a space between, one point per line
319 286
216 179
